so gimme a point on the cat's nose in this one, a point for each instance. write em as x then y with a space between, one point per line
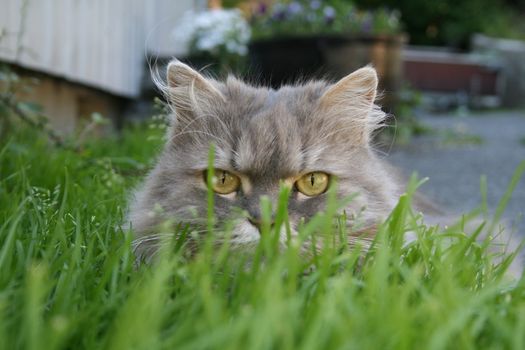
255 216
257 222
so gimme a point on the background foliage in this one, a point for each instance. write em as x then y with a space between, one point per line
317 18
451 23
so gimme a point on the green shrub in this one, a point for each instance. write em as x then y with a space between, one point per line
450 22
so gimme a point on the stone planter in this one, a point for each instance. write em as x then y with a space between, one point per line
285 60
512 54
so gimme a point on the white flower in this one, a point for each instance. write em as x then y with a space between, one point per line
212 30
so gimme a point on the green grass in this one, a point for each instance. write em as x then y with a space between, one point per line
68 281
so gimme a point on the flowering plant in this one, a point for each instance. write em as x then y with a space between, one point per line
221 35
308 17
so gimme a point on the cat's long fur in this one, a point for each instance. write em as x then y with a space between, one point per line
264 136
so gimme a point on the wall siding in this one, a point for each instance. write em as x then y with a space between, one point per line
98 43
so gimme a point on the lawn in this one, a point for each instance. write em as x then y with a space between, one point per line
68 278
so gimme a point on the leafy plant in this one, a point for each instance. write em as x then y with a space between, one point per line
506 23
15 110
301 18
11 107
450 22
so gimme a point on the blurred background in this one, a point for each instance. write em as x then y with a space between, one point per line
452 72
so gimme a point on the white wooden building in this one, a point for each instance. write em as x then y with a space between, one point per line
89 52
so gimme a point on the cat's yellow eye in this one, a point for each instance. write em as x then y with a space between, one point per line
313 184
224 182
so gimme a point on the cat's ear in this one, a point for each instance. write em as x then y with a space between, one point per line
188 91
351 100
359 86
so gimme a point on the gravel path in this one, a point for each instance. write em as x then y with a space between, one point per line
463 149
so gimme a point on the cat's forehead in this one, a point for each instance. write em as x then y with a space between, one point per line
261 132
271 130
296 101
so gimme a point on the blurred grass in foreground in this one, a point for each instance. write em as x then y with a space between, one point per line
67 278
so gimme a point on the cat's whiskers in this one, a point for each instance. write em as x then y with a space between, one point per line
149 238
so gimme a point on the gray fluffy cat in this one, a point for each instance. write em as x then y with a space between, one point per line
302 136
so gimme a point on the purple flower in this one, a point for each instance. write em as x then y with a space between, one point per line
262 8
279 15
329 14
294 8
279 12
366 25
315 4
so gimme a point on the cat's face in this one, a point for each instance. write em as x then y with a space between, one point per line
301 136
